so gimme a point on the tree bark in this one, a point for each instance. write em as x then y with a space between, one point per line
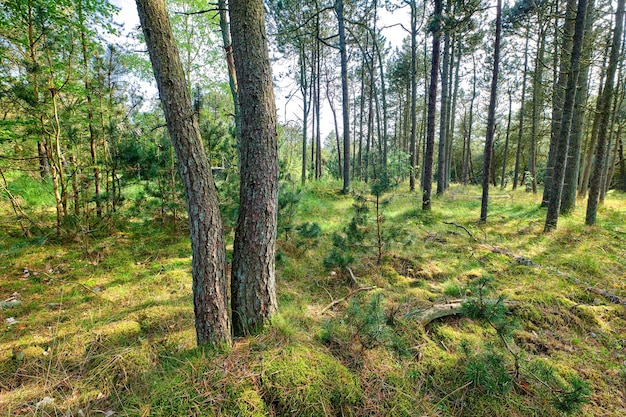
561 150
605 109
253 280
427 179
344 97
559 96
491 116
207 241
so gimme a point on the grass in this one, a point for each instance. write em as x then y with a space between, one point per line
106 323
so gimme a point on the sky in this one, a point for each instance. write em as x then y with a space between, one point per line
288 99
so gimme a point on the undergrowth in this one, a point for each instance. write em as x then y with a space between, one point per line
104 323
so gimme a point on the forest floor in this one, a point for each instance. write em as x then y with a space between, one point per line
101 323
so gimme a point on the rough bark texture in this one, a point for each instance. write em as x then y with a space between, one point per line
607 93
205 224
559 96
427 178
570 184
491 116
253 281
562 146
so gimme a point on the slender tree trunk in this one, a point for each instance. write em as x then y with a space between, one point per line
305 110
559 97
427 180
607 94
443 114
537 104
561 150
413 111
572 168
344 97
491 116
230 63
506 140
518 152
253 280
93 137
450 139
207 241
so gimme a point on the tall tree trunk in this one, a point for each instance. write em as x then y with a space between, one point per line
304 89
443 114
427 180
452 114
491 116
559 97
207 241
468 153
561 151
518 152
537 104
572 168
253 280
344 96
593 139
413 111
506 140
93 137
607 94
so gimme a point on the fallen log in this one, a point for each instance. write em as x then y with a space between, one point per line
437 311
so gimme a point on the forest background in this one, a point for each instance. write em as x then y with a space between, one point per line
516 120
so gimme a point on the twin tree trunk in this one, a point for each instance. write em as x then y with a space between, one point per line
253 280
253 273
205 224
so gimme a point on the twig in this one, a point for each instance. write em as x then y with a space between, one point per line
350 295
352 277
464 228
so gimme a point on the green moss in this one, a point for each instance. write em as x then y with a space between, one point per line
304 382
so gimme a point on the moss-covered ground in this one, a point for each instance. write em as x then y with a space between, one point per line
105 324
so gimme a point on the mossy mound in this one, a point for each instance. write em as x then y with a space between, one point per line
308 383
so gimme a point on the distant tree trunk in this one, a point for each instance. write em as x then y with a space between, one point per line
491 116
412 148
207 244
593 139
518 152
332 109
253 280
506 140
559 97
230 63
93 137
452 114
304 89
344 97
468 154
443 114
427 180
607 94
537 104
567 113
